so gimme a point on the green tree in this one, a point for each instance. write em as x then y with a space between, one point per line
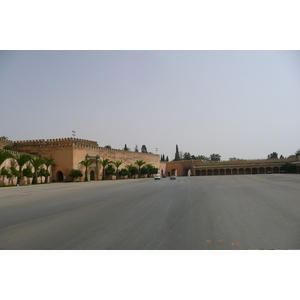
273 155
43 173
177 157
297 153
203 158
123 172
104 163
8 147
21 159
4 156
117 164
3 172
86 163
36 163
110 170
107 146
14 172
75 174
48 162
3 137
140 163
136 149
289 168
126 148
187 156
27 172
129 168
144 149
215 157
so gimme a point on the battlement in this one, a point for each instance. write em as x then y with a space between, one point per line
62 142
4 142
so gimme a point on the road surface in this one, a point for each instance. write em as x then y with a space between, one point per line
202 213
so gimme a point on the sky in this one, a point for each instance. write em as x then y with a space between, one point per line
242 104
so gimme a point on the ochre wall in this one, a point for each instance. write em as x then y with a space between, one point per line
68 153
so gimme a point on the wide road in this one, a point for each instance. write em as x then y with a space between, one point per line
212 212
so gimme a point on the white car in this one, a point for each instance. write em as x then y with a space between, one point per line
157 176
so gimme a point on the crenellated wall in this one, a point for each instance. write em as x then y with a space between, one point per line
69 152
5 142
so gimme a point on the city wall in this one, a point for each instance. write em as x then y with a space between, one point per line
69 152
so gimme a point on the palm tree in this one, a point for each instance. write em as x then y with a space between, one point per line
129 169
86 163
4 156
139 163
48 162
36 163
117 163
21 159
104 163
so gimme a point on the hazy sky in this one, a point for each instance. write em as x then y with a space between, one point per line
242 104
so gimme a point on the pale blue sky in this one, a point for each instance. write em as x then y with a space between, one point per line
242 104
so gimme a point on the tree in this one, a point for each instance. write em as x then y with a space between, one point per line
14 172
48 162
42 172
104 163
8 147
140 163
3 172
129 168
273 155
117 164
75 174
144 149
136 149
281 156
21 159
203 158
123 172
167 159
86 163
126 148
36 163
215 157
4 156
187 156
297 153
27 172
107 146
289 168
4 137
177 154
110 170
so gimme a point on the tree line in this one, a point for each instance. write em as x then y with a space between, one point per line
109 167
22 165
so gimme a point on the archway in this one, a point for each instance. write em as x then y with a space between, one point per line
268 170
92 175
197 172
174 172
234 171
222 172
241 171
216 172
261 170
209 172
248 171
203 172
275 169
228 171
254 171
59 176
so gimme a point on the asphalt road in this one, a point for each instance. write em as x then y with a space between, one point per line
212 212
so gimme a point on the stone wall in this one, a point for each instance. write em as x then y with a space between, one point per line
69 152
